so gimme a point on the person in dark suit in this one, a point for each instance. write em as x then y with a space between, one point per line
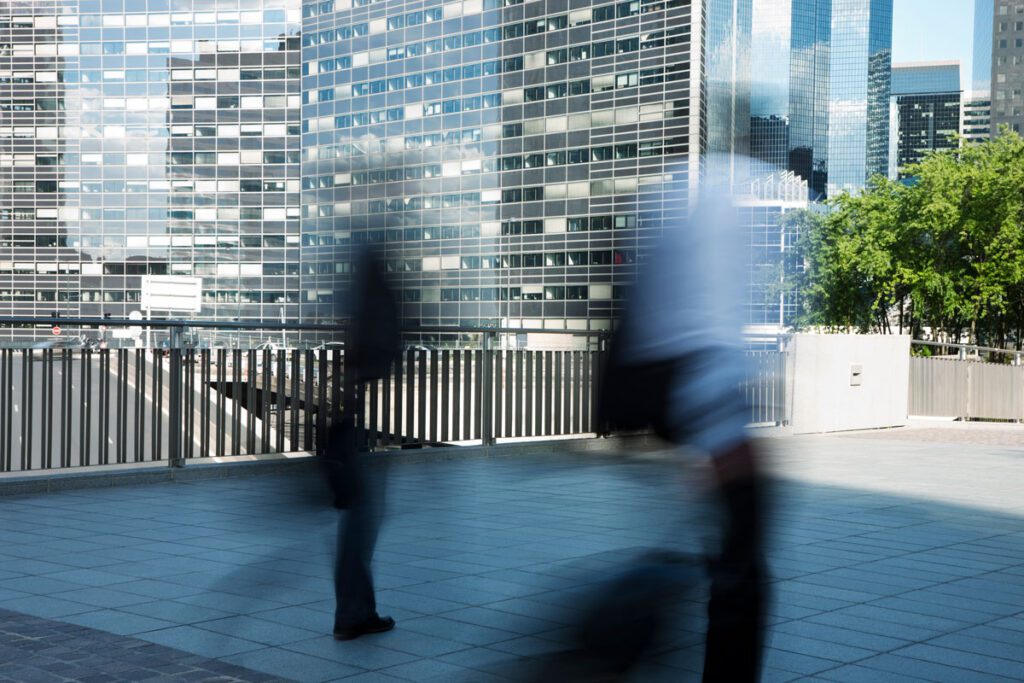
372 341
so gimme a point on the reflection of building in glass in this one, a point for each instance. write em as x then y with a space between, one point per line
1008 65
925 112
151 141
508 158
859 74
981 68
773 259
789 89
976 123
727 87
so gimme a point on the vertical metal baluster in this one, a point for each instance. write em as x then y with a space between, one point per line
86 434
307 412
250 401
279 399
222 401
27 407
467 395
119 422
336 385
445 391
265 393
189 450
204 405
386 407
549 393
528 395
421 387
434 398
457 401
6 399
520 394
496 396
46 411
577 392
158 407
140 405
557 391
509 392
479 398
236 401
587 401
293 400
104 431
373 431
321 402
399 437
410 396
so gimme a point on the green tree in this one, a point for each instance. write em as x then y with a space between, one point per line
944 252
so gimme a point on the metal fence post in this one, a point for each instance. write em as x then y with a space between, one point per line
486 403
174 417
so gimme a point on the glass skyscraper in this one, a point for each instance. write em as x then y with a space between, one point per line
149 137
789 89
1008 66
925 112
981 68
859 76
507 158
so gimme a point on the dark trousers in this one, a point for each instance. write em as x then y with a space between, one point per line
360 492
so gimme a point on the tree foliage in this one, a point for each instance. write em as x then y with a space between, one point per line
943 253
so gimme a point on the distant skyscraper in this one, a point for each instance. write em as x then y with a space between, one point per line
981 69
789 89
727 76
976 118
924 113
859 72
156 138
509 158
1008 65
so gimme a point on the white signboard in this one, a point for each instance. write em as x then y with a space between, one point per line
172 293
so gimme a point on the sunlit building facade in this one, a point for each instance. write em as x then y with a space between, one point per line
1008 66
790 89
149 137
507 159
860 63
925 112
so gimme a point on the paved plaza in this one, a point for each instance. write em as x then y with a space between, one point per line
895 558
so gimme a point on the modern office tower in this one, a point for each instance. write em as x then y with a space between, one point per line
981 68
1008 65
773 263
790 89
924 112
976 119
860 63
727 87
507 158
156 138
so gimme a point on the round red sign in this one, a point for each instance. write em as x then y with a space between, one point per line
56 330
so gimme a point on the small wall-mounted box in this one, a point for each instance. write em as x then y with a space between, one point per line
856 372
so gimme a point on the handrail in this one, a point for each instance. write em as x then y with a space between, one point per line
276 326
966 347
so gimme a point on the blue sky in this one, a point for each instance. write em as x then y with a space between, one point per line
932 30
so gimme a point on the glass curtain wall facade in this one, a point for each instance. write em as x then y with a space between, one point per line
981 67
789 89
976 125
506 158
859 78
925 112
1008 65
149 137
727 89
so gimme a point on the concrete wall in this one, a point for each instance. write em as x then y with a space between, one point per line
840 382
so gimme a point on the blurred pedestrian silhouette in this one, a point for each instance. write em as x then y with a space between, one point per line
372 341
676 365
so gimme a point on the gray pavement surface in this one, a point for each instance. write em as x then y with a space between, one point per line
893 560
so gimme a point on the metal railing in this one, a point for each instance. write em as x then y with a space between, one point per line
964 386
66 407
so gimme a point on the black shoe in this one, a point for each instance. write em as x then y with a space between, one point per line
375 624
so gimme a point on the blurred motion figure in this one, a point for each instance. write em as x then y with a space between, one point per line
677 365
372 341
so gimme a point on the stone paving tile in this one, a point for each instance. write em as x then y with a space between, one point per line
890 562
38 649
